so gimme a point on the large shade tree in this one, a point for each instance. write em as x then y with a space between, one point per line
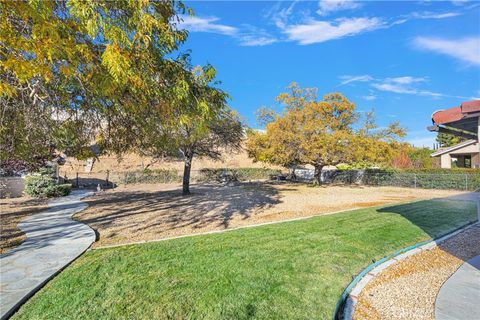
67 66
203 127
322 133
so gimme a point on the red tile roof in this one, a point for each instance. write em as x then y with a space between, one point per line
470 106
456 113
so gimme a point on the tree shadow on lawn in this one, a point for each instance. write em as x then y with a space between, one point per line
209 207
449 215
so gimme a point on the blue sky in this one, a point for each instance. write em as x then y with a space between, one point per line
405 59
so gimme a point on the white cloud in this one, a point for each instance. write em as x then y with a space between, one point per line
301 27
400 85
197 24
254 36
326 7
405 80
466 49
400 88
251 40
315 31
434 15
247 35
348 79
392 88
404 85
370 97
280 16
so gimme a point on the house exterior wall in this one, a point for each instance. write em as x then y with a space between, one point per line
445 161
476 160
474 148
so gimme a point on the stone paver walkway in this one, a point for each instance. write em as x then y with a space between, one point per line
53 241
459 297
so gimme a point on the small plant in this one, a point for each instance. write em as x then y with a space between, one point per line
151 176
237 174
42 184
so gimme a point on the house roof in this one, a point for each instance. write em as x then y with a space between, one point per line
453 148
463 117
456 113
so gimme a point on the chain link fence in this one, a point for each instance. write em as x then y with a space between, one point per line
454 181
111 179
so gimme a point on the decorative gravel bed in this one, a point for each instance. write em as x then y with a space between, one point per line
408 289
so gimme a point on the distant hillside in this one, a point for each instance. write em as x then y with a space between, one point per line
133 162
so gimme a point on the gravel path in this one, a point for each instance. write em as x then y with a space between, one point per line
408 289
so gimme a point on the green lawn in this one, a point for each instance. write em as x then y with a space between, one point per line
292 270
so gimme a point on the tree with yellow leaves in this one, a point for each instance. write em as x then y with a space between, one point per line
67 66
321 133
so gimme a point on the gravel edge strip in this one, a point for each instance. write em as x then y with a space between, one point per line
369 273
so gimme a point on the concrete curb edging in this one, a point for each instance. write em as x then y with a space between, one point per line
350 295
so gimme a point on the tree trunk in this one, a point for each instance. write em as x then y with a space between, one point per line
293 176
317 175
186 173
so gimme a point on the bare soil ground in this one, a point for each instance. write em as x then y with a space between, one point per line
145 212
132 162
12 211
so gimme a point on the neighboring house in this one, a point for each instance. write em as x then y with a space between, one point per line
463 121
464 155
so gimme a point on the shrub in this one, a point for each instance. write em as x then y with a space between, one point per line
151 176
237 174
459 179
42 184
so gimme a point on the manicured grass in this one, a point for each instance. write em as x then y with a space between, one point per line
293 270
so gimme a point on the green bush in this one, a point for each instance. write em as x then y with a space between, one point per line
42 184
458 179
151 176
237 174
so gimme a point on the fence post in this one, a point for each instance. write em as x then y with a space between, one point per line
415 180
77 180
466 181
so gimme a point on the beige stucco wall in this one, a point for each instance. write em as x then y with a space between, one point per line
474 148
445 161
476 160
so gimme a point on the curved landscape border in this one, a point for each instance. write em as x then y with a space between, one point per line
54 240
345 307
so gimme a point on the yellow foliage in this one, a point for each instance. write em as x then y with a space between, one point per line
321 133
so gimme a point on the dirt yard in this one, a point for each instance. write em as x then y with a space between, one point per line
12 211
148 211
